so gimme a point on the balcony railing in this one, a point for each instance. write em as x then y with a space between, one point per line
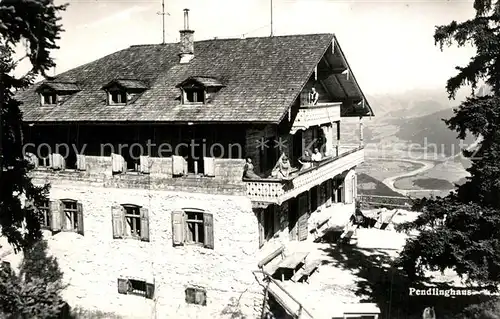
272 190
311 115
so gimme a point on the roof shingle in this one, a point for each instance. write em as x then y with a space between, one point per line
262 77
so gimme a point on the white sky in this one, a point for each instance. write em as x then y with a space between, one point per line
389 44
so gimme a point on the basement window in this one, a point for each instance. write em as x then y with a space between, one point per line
196 296
135 287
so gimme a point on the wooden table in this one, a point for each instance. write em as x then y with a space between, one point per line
292 262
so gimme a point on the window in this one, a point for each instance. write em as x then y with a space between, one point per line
117 96
70 216
196 296
49 98
63 215
46 215
136 287
194 95
196 231
130 221
193 226
133 219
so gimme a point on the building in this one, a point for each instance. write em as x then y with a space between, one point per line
145 152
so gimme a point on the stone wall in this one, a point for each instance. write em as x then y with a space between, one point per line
92 263
98 172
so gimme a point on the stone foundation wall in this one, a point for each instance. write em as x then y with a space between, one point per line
92 263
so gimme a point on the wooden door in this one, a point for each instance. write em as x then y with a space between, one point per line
303 208
293 217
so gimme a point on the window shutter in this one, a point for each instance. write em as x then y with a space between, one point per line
79 212
260 218
117 221
144 224
178 227
200 297
122 286
209 166
177 165
57 161
353 185
62 215
144 162
150 291
347 190
51 160
117 163
208 224
80 162
329 193
55 212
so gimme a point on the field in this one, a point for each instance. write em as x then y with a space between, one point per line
382 169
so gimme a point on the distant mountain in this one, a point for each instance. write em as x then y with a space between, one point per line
430 131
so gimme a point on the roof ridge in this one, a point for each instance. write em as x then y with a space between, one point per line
234 39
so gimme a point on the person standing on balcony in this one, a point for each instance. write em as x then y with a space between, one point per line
284 167
316 157
313 96
248 170
305 160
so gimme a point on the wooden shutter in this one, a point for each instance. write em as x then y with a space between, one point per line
208 225
260 219
144 163
348 189
81 164
122 286
150 291
303 217
117 163
79 212
178 232
57 161
209 166
329 194
144 224
117 221
55 212
62 216
177 165
277 218
200 297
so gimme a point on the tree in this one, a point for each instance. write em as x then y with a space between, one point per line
34 24
35 292
462 230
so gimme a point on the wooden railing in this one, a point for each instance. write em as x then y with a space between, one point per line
377 201
312 115
272 190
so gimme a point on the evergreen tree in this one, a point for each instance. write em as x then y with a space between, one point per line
33 24
462 230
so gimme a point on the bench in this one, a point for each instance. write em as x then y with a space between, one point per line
306 272
271 270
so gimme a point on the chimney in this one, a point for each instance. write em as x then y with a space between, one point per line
187 41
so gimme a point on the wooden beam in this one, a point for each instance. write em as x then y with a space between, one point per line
316 73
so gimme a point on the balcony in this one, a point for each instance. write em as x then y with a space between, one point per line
268 190
311 115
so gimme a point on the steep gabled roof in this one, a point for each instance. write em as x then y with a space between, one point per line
262 77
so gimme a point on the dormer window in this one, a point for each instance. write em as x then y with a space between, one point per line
123 92
194 95
117 96
55 92
199 90
49 98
